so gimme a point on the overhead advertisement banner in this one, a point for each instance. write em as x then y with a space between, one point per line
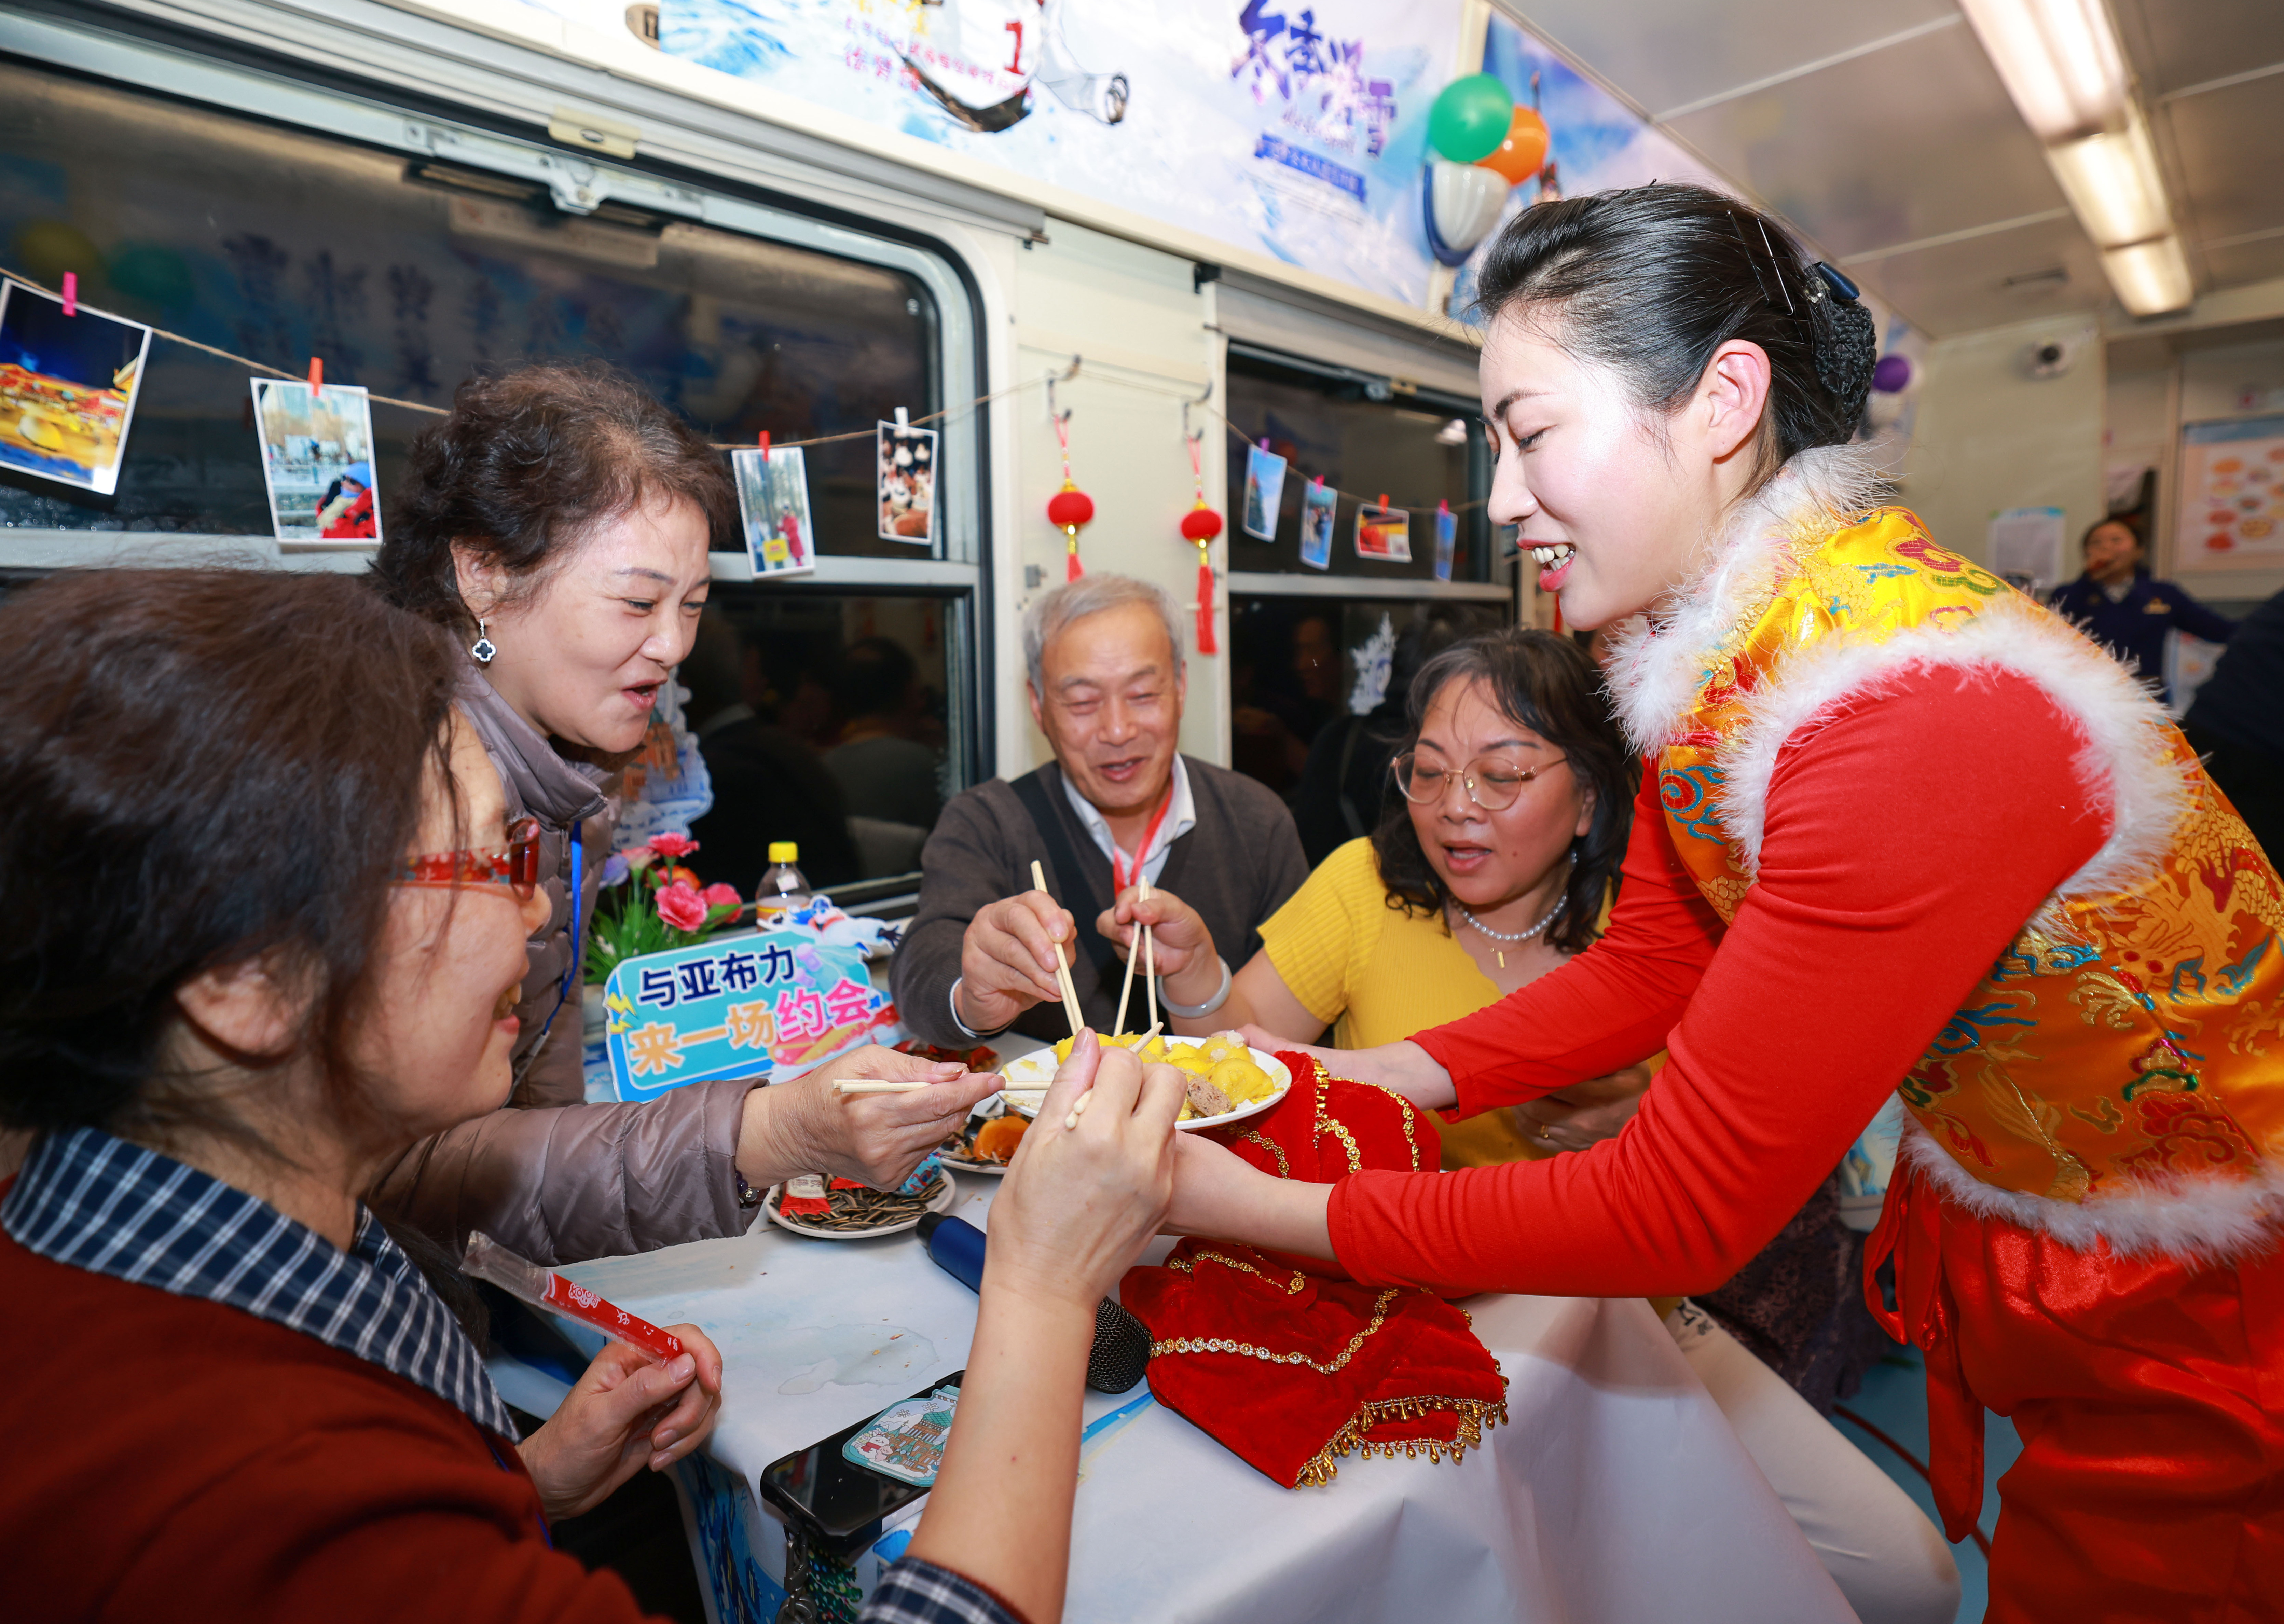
1295 129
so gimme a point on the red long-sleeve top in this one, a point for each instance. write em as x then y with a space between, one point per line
1906 840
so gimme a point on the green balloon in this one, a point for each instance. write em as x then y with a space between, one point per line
1470 118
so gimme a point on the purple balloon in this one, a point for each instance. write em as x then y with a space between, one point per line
1891 374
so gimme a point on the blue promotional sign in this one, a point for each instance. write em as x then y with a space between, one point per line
775 1003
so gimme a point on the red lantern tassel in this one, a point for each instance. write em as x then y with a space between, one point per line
1206 644
1071 569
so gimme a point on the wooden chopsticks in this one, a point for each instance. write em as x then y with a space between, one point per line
1062 962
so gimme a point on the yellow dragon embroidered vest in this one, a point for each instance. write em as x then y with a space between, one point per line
2130 1039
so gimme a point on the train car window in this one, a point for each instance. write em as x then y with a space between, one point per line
404 274
837 711
1367 437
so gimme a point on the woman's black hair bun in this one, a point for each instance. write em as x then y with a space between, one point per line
1847 344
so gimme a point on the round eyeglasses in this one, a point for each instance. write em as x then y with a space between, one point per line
1492 783
515 865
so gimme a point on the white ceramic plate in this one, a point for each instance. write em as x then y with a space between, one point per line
1038 1069
947 1192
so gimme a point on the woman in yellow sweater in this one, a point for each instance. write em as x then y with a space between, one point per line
1518 789
1494 866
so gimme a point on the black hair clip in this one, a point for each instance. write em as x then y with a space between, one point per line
1841 286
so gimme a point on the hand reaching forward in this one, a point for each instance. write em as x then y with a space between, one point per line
1571 1119
1179 940
1007 959
623 1412
1079 1204
877 1139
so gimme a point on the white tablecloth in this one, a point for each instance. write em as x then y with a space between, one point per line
1616 1492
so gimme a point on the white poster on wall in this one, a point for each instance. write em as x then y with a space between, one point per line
2026 547
2232 511
1292 127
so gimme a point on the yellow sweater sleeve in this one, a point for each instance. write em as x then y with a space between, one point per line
1323 937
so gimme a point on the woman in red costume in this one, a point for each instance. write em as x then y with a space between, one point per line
1902 831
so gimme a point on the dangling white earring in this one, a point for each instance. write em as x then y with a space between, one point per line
483 649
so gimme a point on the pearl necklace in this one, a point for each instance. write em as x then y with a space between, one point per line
1510 936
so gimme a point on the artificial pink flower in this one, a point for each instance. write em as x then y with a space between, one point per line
672 845
639 858
678 906
718 895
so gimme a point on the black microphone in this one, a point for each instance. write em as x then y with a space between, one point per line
1121 1354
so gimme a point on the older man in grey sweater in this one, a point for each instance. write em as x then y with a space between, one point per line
1117 804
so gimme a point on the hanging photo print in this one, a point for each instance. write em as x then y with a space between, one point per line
907 484
317 461
1319 503
1264 491
773 503
67 387
1384 533
1447 539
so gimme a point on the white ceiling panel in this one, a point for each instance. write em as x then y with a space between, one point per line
1667 54
1915 141
2175 43
1990 280
2234 264
2228 145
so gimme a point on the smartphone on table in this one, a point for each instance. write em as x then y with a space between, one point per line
836 1499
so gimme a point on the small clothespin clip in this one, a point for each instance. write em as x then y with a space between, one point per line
70 292
903 421
317 374
1383 498
1265 442
1443 506
765 445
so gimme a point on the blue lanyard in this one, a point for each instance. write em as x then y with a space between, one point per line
570 970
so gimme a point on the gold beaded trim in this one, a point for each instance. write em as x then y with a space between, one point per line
1410 1116
1476 1418
1293 1288
1224 1345
1285 1167
1335 1127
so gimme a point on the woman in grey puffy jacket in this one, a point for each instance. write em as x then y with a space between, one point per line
559 520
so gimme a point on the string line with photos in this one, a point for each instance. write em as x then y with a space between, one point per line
368 531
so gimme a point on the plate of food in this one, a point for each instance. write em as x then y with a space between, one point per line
984 1145
853 1211
1228 1082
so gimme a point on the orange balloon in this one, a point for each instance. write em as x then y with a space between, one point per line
1519 156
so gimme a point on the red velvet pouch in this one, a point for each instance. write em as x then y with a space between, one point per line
1285 1361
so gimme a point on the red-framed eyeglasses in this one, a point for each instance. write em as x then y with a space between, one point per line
515 865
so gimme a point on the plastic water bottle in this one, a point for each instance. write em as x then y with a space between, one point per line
783 888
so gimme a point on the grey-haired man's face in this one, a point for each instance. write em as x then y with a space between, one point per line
1110 702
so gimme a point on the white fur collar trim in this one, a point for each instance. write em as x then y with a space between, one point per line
1654 674
2196 1220
2123 765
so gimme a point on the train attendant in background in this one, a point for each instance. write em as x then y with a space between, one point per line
1511 793
557 524
2122 608
1907 833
